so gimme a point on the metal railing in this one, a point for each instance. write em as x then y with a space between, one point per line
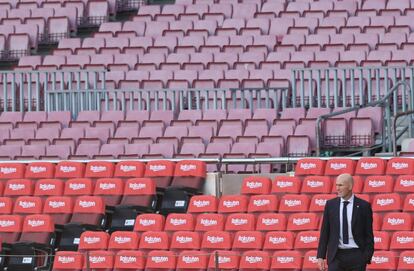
350 86
76 99
384 101
25 90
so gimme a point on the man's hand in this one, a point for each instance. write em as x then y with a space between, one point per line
321 264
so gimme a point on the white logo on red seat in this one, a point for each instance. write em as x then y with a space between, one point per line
366 165
307 166
183 239
87 204
8 170
337 166
128 259
57 204
128 168
156 168
96 169
399 165
187 167
253 259
67 169
270 221
122 239
284 184
47 187
37 169
159 259
66 259
36 223
285 260
190 259
380 260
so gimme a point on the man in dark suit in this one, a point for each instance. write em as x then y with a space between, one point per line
346 239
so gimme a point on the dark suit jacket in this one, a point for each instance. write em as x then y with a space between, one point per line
361 229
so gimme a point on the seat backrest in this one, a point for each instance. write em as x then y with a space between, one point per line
123 240
93 240
149 222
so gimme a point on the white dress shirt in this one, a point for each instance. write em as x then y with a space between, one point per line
350 206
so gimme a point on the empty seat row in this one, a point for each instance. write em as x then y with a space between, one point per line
249 260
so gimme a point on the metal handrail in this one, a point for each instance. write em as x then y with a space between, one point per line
371 104
394 129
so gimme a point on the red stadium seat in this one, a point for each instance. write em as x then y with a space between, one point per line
378 184
263 203
255 260
302 222
69 169
6 205
307 240
129 169
381 240
409 203
396 221
99 169
286 260
271 222
318 202
400 166
11 227
386 202
286 184
406 260
68 260
214 240
278 240
210 222
192 260
310 261
233 204
149 222
294 203
60 208
337 166
247 240
49 187
110 189
404 184
100 260
93 240
179 222
240 222
310 166
316 185
161 260
401 240
370 166
225 260
203 204
123 240
12 170
162 171
189 174
185 240
40 170
18 187
383 260
255 185
78 187
25 205
154 240
129 260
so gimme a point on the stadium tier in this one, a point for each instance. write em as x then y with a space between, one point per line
83 209
189 135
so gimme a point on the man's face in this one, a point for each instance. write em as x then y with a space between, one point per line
343 187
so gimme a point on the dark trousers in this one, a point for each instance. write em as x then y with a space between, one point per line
348 260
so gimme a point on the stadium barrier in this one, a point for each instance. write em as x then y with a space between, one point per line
350 86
